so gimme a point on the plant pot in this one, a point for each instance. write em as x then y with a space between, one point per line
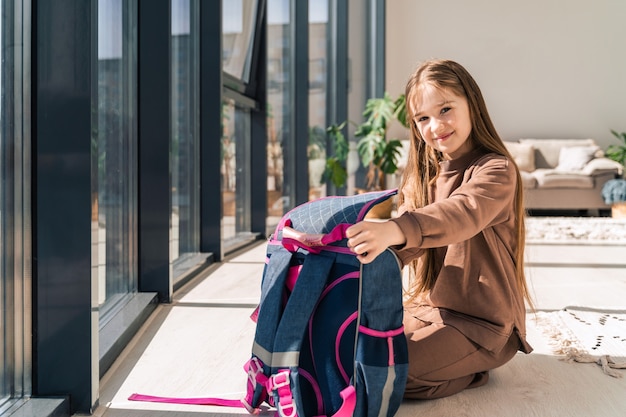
618 210
316 170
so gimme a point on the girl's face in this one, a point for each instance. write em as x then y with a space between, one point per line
443 120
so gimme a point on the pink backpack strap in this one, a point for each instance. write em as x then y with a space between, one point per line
315 243
280 383
348 395
197 401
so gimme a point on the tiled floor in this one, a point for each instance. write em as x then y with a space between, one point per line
195 347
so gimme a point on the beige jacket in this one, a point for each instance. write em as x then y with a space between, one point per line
472 224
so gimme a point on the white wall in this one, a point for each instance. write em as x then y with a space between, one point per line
547 68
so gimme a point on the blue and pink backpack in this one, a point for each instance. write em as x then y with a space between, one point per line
329 338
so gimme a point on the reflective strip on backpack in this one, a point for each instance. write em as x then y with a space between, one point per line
276 359
285 359
261 353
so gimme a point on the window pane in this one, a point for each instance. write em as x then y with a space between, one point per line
15 245
6 200
318 27
238 20
185 146
114 154
236 225
280 174
358 35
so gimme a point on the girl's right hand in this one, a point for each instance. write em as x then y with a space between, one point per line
368 239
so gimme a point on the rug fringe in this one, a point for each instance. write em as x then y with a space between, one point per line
565 345
605 361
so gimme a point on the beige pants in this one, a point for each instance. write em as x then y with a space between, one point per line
442 361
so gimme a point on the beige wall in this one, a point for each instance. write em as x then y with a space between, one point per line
547 68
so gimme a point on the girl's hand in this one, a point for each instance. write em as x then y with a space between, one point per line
368 239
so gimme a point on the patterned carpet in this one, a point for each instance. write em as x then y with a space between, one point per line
587 335
575 229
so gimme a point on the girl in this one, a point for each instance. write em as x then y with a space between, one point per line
460 228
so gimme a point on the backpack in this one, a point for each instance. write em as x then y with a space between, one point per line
329 339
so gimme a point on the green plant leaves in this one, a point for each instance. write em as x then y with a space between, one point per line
618 152
379 112
378 154
340 144
335 172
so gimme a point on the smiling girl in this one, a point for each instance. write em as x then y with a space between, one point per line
460 230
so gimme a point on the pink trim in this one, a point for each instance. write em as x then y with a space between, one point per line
368 206
316 390
340 332
349 275
197 401
391 361
292 276
338 233
285 221
292 245
254 368
255 314
379 333
349 402
389 335
280 383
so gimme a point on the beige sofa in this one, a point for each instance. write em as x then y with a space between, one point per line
563 174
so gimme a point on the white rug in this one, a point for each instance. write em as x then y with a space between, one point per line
543 383
586 335
575 229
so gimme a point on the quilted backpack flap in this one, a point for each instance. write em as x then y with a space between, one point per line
324 214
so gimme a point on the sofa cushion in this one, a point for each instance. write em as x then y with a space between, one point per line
574 158
523 154
547 151
602 165
552 178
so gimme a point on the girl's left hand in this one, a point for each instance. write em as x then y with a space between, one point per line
368 239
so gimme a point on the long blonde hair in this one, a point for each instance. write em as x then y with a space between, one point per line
422 167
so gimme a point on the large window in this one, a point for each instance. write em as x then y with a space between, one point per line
236 174
185 144
280 173
5 233
238 36
15 255
318 60
114 155
239 32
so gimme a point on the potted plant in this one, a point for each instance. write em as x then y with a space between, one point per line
614 191
377 153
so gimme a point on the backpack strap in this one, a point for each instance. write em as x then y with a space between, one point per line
299 308
270 306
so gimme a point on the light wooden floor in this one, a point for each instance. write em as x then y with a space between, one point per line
196 346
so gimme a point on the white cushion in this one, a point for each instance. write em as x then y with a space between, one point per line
552 178
601 165
523 154
574 158
547 150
